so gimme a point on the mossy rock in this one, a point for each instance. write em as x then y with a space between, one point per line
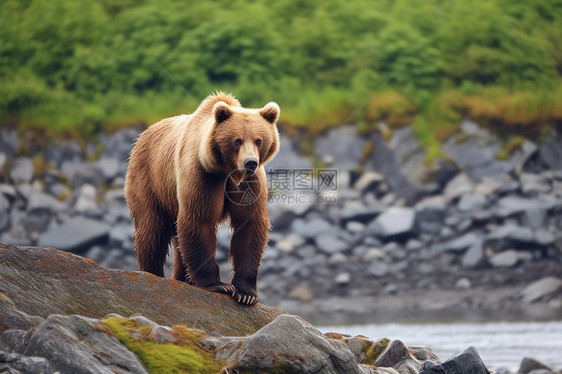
186 354
374 350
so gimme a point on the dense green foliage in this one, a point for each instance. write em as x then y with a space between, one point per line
67 65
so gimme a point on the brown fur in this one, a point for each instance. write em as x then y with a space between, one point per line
175 189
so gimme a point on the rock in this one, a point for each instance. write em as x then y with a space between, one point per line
460 244
338 258
378 269
82 346
289 344
540 289
368 181
512 204
513 233
44 281
22 171
551 153
310 228
385 161
75 235
44 201
302 292
342 279
530 364
16 363
474 257
367 351
342 146
534 218
110 167
329 243
466 362
505 259
86 200
355 227
393 222
81 173
143 321
398 356
471 202
430 215
288 158
458 186
463 284
544 237
360 214
424 353
161 334
534 183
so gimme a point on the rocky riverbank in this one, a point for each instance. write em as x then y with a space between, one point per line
54 318
475 235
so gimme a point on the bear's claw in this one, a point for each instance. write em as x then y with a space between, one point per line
227 289
245 299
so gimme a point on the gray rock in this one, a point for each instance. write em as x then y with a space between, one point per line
355 227
460 244
66 150
551 153
86 200
360 214
290 344
81 173
43 201
143 321
310 228
110 167
512 233
378 269
430 215
512 204
505 259
471 202
384 160
534 218
342 279
534 183
329 243
288 157
161 334
474 257
8 191
16 363
423 353
541 288
458 186
530 364
393 222
3 159
76 235
118 145
342 146
22 171
368 181
398 356
463 284
4 219
544 237
81 347
466 362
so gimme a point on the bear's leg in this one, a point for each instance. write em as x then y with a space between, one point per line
197 245
246 248
180 270
153 230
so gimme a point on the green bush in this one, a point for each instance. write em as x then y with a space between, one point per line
78 67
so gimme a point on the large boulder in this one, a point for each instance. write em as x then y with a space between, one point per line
43 281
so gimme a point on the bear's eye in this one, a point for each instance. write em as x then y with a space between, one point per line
258 142
238 142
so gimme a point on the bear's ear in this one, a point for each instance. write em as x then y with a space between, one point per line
270 112
221 112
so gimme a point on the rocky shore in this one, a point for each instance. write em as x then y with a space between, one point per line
475 235
54 319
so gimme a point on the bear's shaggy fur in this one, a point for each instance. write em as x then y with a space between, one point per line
189 173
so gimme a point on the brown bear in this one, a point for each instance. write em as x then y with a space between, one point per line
186 175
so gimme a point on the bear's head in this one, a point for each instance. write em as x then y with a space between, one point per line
243 139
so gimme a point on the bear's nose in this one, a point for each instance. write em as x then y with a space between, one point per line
250 164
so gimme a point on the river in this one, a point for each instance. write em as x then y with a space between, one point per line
500 344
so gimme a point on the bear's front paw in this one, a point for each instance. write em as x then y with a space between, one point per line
245 296
224 288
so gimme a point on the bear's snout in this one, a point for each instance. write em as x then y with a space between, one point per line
250 164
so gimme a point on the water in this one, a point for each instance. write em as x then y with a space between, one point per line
500 344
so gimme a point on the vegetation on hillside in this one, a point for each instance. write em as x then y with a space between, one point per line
68 66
